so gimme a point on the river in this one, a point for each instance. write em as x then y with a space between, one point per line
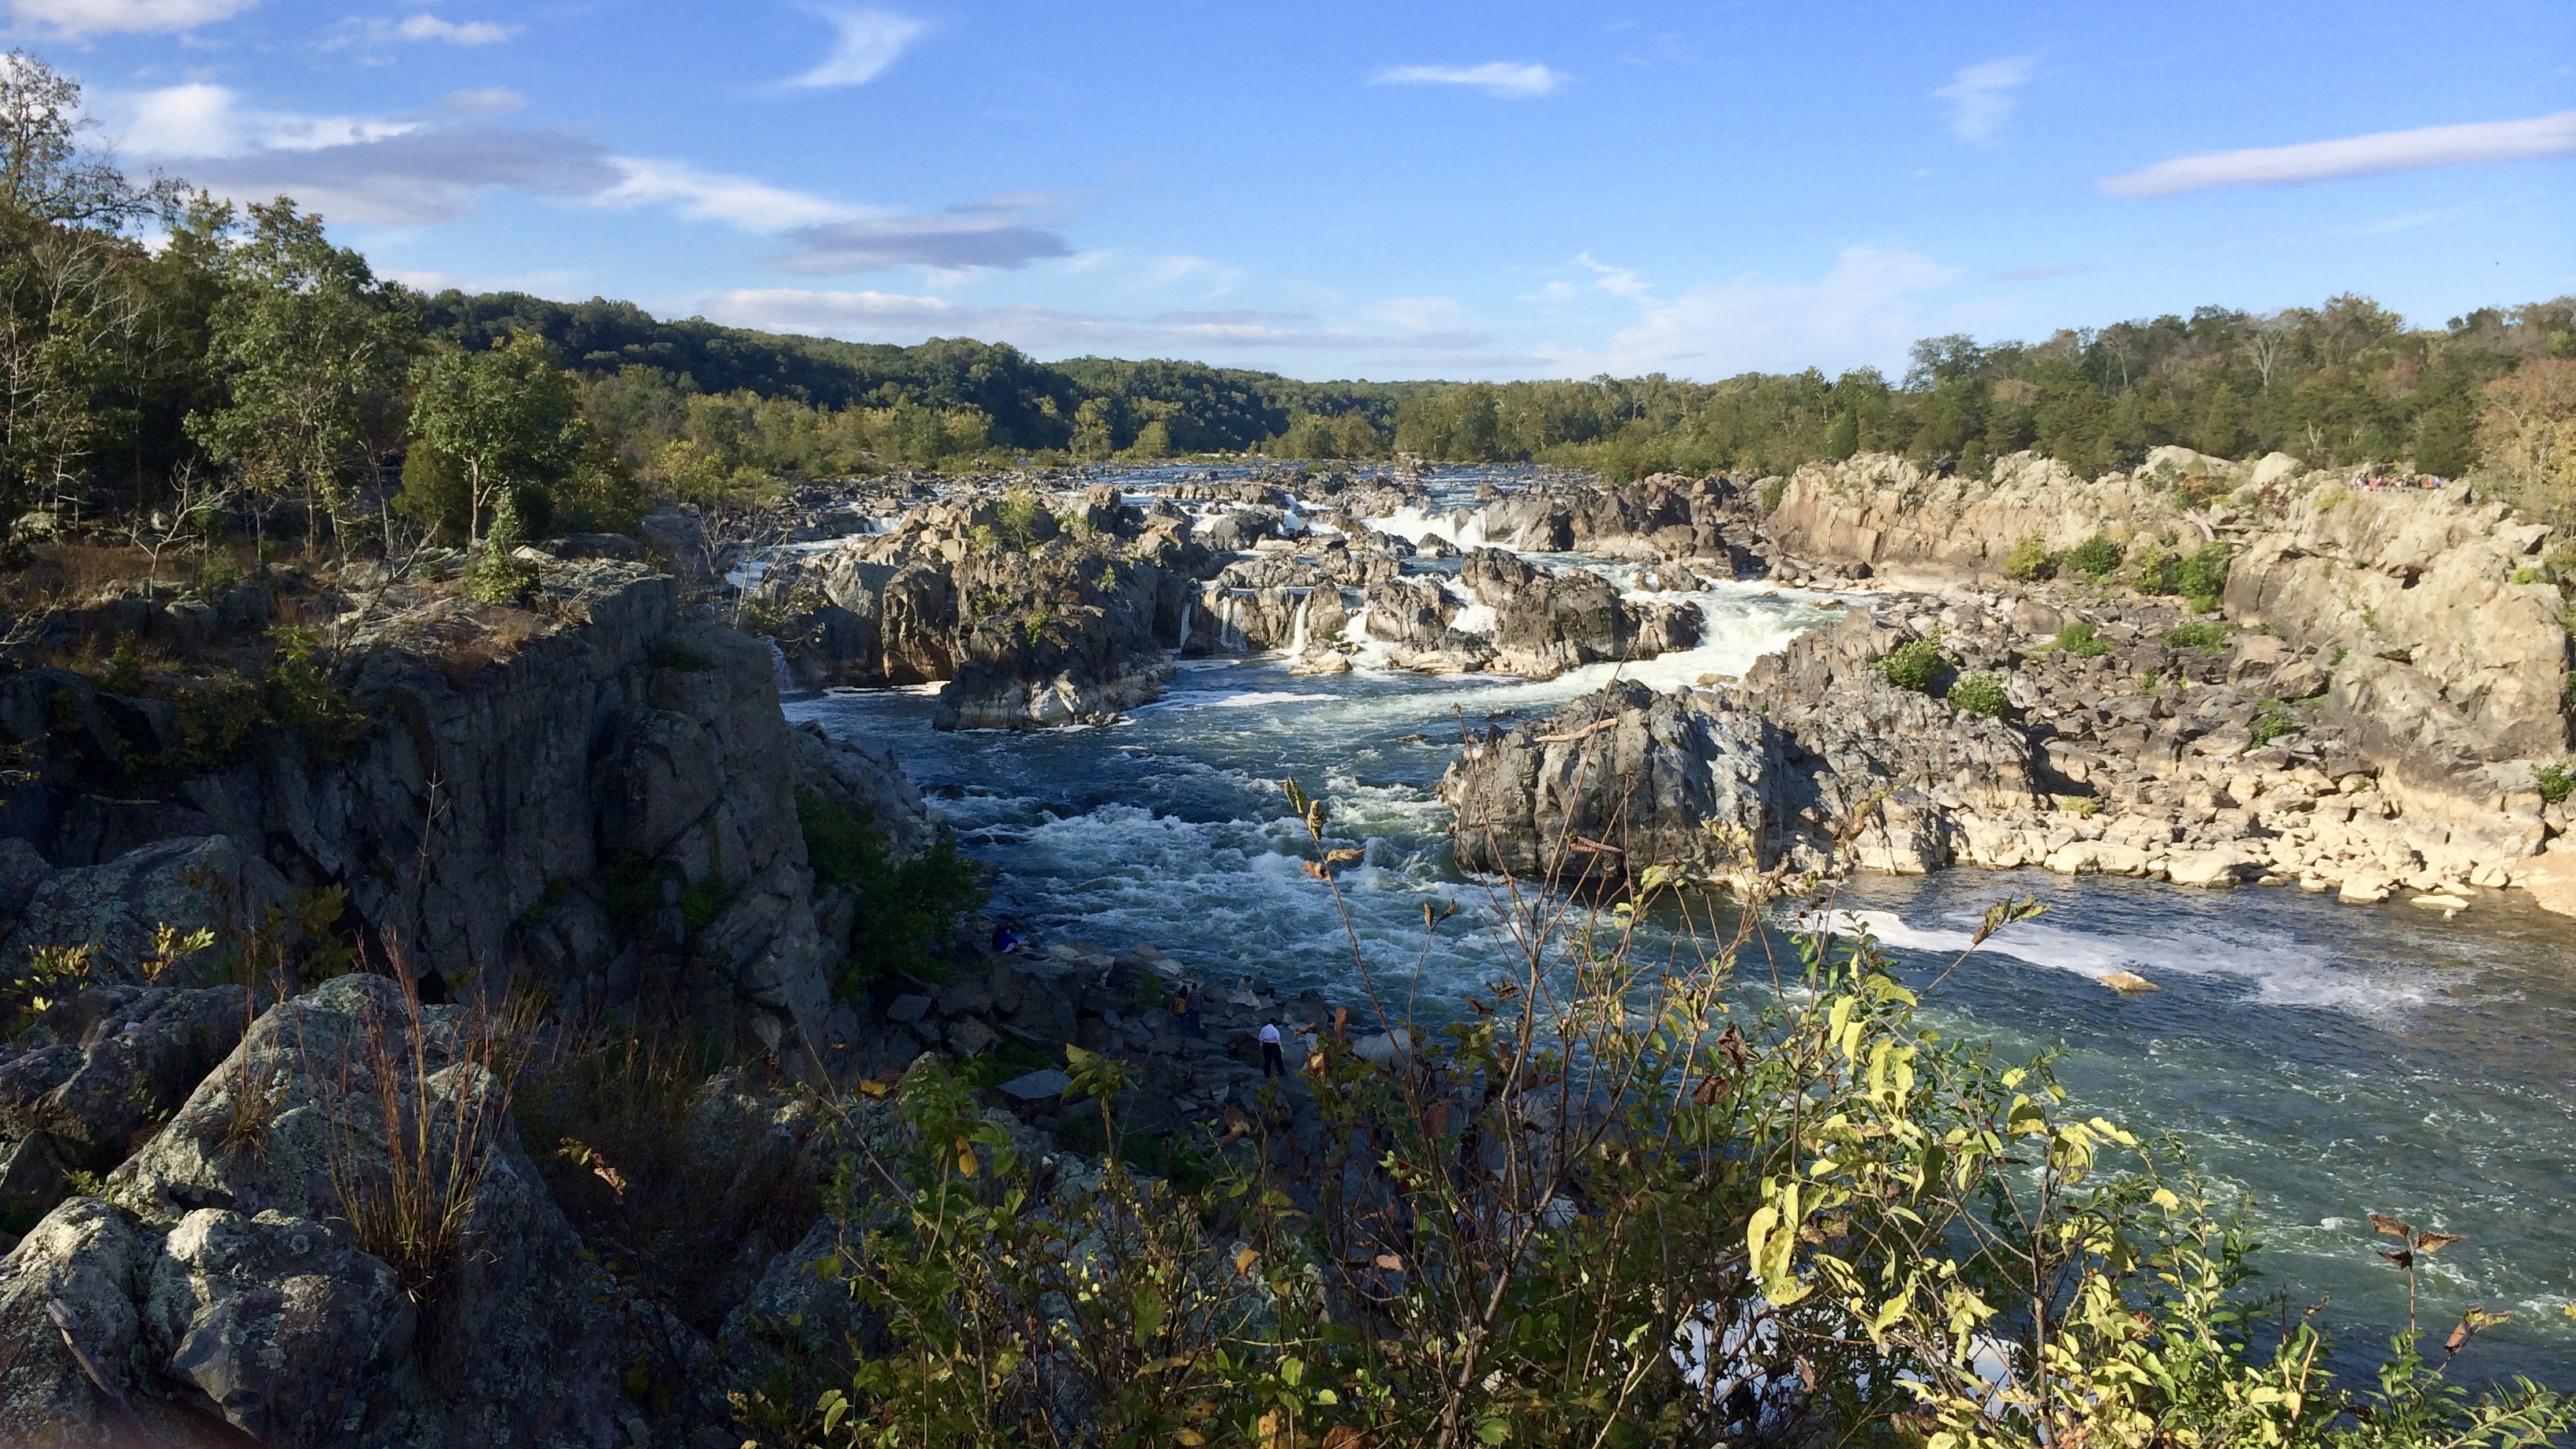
2318 1062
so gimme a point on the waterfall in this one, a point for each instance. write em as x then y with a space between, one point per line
1186 605
1229 633
1297 631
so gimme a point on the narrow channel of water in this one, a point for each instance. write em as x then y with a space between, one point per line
2321 1061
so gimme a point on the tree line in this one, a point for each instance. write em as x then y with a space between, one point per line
165 355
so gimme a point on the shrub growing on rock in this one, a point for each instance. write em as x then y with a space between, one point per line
2095 557
905 908
2081 640
2557 781
2204 634
1916 664
1980 694
2029 560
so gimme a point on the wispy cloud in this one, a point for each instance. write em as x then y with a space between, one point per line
425 168
2381 151
80 17
1981 95
467 32
1499 78
872 316
1865 311
714 196
2042 274
868 42
1003 232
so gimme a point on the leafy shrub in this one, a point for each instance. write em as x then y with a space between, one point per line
2202 634
2328 498
1916 664
703 900
630 893
2095 557
2557 781
1980 694
1021 519
1772 493
2081 640
2201 574
2029 560
905 908
2274 722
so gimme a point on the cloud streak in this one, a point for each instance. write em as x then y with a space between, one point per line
1514 81
2382 151
468 32
984 234
1981 95
868 42
82 17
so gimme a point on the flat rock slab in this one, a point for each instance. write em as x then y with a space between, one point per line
1044 1084
907 1009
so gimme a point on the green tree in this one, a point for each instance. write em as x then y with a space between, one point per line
507 418
311 346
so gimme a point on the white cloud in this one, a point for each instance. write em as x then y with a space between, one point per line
869 41
87 16
1049 331
2469 145
202 120
713 196
1007 232
1981 95
1864 311
1501 78
469 32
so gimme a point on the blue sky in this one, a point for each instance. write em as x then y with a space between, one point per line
1346 190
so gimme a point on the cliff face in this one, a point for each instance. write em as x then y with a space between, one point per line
2450 669
594 795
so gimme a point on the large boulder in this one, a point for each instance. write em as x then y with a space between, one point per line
249 1266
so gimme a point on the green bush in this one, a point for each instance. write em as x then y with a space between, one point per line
2095 557
2557 782
704 900
2082 640
904 908
2273 723
1980 694
1916 664
1772 493
494 576
2029 560
2201 574
2203 634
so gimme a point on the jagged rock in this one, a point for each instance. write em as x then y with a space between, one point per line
32 1180
185 883
111 1063
245 1196
278 1322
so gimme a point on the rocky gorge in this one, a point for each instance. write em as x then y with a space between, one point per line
452 838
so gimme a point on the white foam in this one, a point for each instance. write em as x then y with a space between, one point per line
2281 971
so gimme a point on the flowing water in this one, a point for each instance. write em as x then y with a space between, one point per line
2319 1062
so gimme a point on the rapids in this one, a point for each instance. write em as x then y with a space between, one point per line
2318 1061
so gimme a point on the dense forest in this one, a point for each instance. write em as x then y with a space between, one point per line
163 354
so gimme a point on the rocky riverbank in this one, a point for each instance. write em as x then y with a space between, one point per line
2366 703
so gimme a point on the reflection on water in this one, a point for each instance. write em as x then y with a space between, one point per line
2322 1061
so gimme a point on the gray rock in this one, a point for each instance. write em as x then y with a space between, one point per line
119 1060
1046 1084
907 1008
281 1323
968 1036
31 1182
185 883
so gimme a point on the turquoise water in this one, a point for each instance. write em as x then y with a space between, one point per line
2319 1061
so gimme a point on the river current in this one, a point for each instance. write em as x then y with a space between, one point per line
2318 1062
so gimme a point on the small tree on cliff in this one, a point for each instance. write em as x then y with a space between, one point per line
507 418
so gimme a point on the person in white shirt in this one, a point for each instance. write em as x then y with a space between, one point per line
1273 1062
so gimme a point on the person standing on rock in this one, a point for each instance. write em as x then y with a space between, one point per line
1273 1063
